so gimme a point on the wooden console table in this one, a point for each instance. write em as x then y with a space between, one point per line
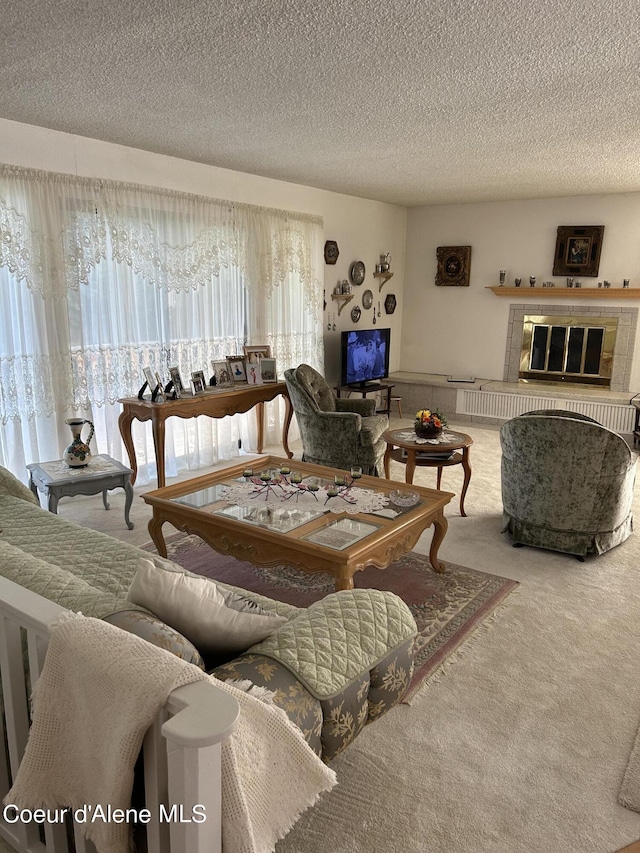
214 403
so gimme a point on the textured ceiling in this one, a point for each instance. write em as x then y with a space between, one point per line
406 101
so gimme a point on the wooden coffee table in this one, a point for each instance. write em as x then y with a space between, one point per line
309 538
403 448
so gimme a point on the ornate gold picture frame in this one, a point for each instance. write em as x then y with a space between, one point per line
578 250
454 266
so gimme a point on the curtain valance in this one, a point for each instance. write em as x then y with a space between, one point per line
55 229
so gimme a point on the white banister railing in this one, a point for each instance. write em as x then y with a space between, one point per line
182 749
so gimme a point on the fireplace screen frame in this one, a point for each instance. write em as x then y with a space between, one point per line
608 326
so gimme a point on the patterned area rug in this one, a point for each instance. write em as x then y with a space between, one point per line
447 607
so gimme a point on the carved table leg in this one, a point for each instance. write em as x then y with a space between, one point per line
467 477
344 583
124 424
155 530
440 524
387 460
288 414
128 490
411 465
158 430
260 423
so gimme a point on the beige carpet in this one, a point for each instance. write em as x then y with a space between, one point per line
522 744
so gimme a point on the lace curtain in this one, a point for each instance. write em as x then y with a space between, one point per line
99 280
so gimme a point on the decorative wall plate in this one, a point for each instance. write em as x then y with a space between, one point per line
357 272
331 252
356 313
367 299
390 303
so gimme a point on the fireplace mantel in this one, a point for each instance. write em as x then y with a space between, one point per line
569 292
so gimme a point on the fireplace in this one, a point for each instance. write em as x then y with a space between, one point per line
577 346
568 349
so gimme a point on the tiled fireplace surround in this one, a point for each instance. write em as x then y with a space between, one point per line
625 337
491 402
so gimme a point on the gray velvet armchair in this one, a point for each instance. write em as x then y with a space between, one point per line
567 483
335 432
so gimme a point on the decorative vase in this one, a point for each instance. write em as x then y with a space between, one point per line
78 454
424 431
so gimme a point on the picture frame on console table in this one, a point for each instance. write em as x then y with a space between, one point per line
578 250
268 370
238 367
454 266
255 353
198 381
224 376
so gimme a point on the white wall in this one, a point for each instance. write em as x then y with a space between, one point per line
363 229
462 330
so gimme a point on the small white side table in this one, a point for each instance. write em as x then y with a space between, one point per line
57 480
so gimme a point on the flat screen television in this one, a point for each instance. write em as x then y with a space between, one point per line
365 357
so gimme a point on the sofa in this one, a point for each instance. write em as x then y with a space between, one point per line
335 432
567 483
332 667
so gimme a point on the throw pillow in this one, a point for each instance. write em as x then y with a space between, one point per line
215 620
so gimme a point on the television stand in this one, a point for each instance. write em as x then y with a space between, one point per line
369 388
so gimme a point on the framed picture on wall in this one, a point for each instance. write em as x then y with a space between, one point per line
454 266
578 250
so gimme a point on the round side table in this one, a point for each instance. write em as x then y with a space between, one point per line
452 449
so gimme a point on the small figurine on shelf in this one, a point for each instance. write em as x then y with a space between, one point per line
385 262
503 277
532 281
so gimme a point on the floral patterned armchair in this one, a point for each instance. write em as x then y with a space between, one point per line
335 432
567 483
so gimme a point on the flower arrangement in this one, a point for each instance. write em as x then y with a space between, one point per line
429 422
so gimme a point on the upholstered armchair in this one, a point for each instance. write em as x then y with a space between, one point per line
567 483
335 432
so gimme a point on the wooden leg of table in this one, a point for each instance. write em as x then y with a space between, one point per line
439 477
440 524
158 430
155 530
288 414
124 424
411 466
344 583
387 460
467 476
260 423
105 498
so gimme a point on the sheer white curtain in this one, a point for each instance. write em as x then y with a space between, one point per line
99 280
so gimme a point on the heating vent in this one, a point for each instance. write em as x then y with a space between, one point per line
492 404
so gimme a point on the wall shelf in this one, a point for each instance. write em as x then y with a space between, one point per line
569 292
384 278
343 298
